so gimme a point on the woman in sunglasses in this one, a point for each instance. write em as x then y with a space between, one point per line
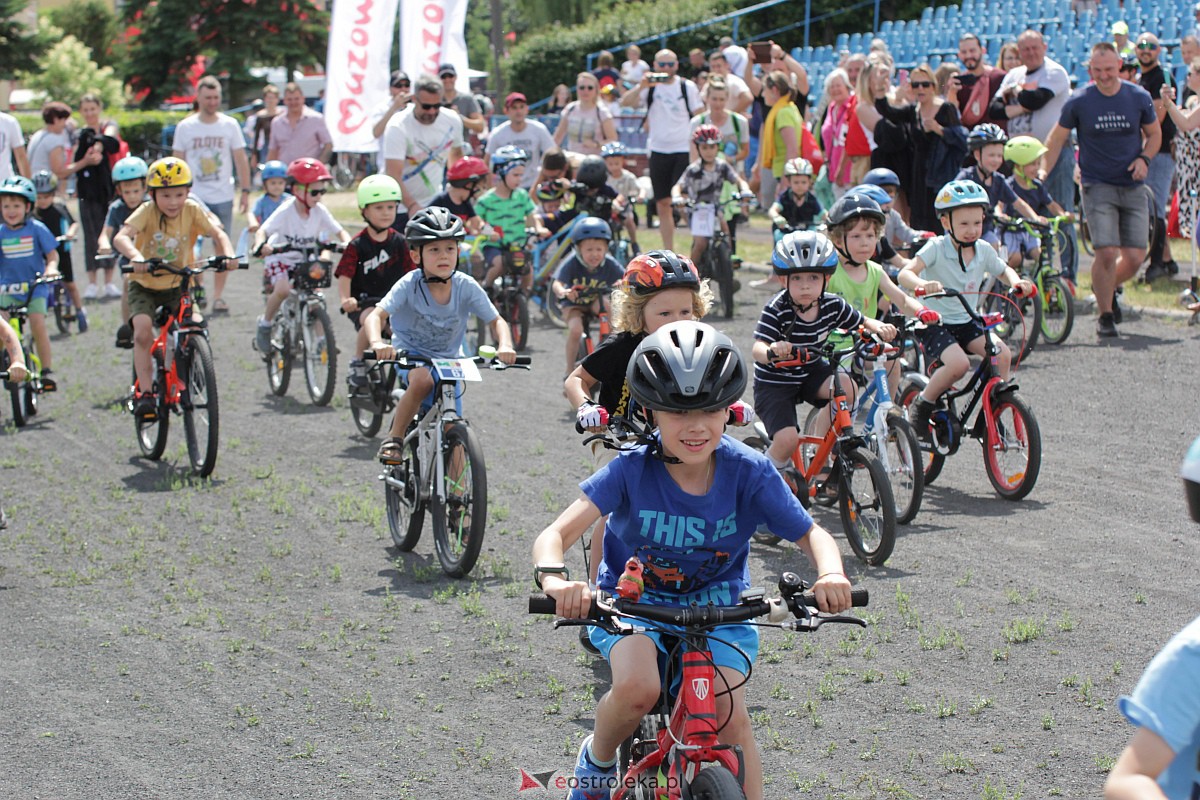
939 144
586 125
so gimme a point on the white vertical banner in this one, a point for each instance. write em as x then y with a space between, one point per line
431 34
357 70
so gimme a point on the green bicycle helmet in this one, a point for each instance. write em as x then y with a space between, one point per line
1023 150
377 189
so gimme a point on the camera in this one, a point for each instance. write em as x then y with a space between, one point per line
967 79
658 77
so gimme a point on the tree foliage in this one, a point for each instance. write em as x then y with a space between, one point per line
19 46
93 23
66 72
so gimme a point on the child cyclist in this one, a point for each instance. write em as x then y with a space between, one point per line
508 211
372 262
274 181
986 141
27 251
581 281
300 222
1025 152
463 181
702 182
687 375
129 181
959 260
625 184
53 213
429 309
165 228
896 230
796 208
802 315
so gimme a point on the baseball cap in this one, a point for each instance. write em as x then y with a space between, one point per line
515 97
398 77
447 69
1119 28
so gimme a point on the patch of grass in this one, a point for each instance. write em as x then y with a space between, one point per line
945 707
1067 622
1019 631
979 705
1105 763
956 762
1047 722
998 791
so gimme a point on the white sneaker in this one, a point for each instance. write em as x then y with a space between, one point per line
90 292
112 290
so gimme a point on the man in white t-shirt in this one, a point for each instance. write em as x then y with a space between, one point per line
212 145
419 144
671 104
739 93
528 134
12 146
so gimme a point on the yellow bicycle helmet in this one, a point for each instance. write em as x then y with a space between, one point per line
167 173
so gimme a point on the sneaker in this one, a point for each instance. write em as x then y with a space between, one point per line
1116 309
262 338
357 377
1155 271
1106 326
918 417
125 337
594 782
112 290
81 318
91 292
48 383
1171 267
145 406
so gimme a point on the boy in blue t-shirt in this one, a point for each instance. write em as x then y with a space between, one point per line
685 505
1163 759
129 181
958 260
987 147
583 281
274 181
27 251
1025 152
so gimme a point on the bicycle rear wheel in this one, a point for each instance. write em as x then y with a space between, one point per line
1058 309
152 434
1013 458
320 355
459 523
279 360
716 783
200 407
62 309
903 469
866 506
932 460
405 511
517 314
722 266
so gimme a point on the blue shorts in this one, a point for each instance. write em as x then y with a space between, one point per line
733 646
936 338
1022 242
427 403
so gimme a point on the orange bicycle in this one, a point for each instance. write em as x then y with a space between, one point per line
185 382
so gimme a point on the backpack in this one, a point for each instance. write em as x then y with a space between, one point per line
683 82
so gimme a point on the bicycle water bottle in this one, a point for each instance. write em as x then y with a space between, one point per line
1190 473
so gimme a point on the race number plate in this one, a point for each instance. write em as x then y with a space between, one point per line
704 220
456 369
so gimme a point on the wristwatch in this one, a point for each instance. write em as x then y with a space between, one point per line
543 569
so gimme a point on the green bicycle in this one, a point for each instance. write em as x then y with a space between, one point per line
24 395
1055 296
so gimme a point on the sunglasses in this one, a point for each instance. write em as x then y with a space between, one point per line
317 192
585 87
429 106
1147 46
403 85
921 84
666 63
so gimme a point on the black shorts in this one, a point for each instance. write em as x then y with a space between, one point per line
66 267
936 338
665 171
775 403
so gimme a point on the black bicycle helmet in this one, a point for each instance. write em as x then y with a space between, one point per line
686 366
854 204
433 224
986 133
804 251
657 270
592 173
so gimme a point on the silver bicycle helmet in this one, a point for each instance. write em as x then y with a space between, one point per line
686 366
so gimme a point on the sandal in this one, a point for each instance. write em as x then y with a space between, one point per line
220 306
391 451
827 493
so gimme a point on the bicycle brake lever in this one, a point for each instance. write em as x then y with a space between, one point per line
811 623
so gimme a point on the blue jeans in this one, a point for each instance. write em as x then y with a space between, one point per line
1060 182
1158 178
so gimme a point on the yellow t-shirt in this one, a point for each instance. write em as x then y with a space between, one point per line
171 240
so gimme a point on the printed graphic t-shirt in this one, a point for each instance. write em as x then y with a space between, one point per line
171 240
424 326
208 149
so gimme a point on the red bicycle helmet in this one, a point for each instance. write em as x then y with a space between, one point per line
706 134
308 170
660 269
467 169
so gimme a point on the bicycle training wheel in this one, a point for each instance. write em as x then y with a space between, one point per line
320 355
1058 309
932 461
1013 457
279 360
200 407
903 467
722 265
866 506
716 783
459 523
405 511
152 434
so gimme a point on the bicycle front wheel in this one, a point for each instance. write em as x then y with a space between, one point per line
459 522
1020 323
866 506
1013 457
405 511
152 434
716 783
903 468
931 460
62 309
517 314
553 307
200 407
320 355
279 360
1058 309
15 391
722 266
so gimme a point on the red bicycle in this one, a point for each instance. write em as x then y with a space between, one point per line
185 382
675 753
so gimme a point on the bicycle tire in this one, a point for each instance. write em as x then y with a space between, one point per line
518 319
342 174
933 460
1021 323
279 360
201 407
152 435
459 523
367 421
1015 423
863 487
552 308
29 396
760 444
640 743
14 393
904 473
1085 231
716 783
405 511
61 308
320 354
722 267
1058 309
1057 263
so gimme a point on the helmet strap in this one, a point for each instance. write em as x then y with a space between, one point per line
845 254
433 278
958 246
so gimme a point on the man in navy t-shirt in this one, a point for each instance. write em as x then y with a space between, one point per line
1118 134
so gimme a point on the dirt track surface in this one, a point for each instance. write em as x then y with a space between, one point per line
257 635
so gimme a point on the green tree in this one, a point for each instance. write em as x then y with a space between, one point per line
19 46
93 23
67 72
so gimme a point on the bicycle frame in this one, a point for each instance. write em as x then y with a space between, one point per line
175 329
17 315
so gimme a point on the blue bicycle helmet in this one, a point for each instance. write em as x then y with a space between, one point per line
274 169
20 186
871 192
508 158
960 194
881 176
613 149
130 168
804 251
591 228
45 182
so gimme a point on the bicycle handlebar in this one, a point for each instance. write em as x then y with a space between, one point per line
333 247
27 287
408 360
195 268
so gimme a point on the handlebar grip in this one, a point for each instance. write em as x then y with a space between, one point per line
858 598
126 269
368 355
541 604
524 360
919 291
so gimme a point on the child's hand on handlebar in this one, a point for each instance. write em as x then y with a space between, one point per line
383 351
929 316
17 372
832 591
931 287
781 351
592 416
349 304
573 598
506 355
885 331
1024 288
